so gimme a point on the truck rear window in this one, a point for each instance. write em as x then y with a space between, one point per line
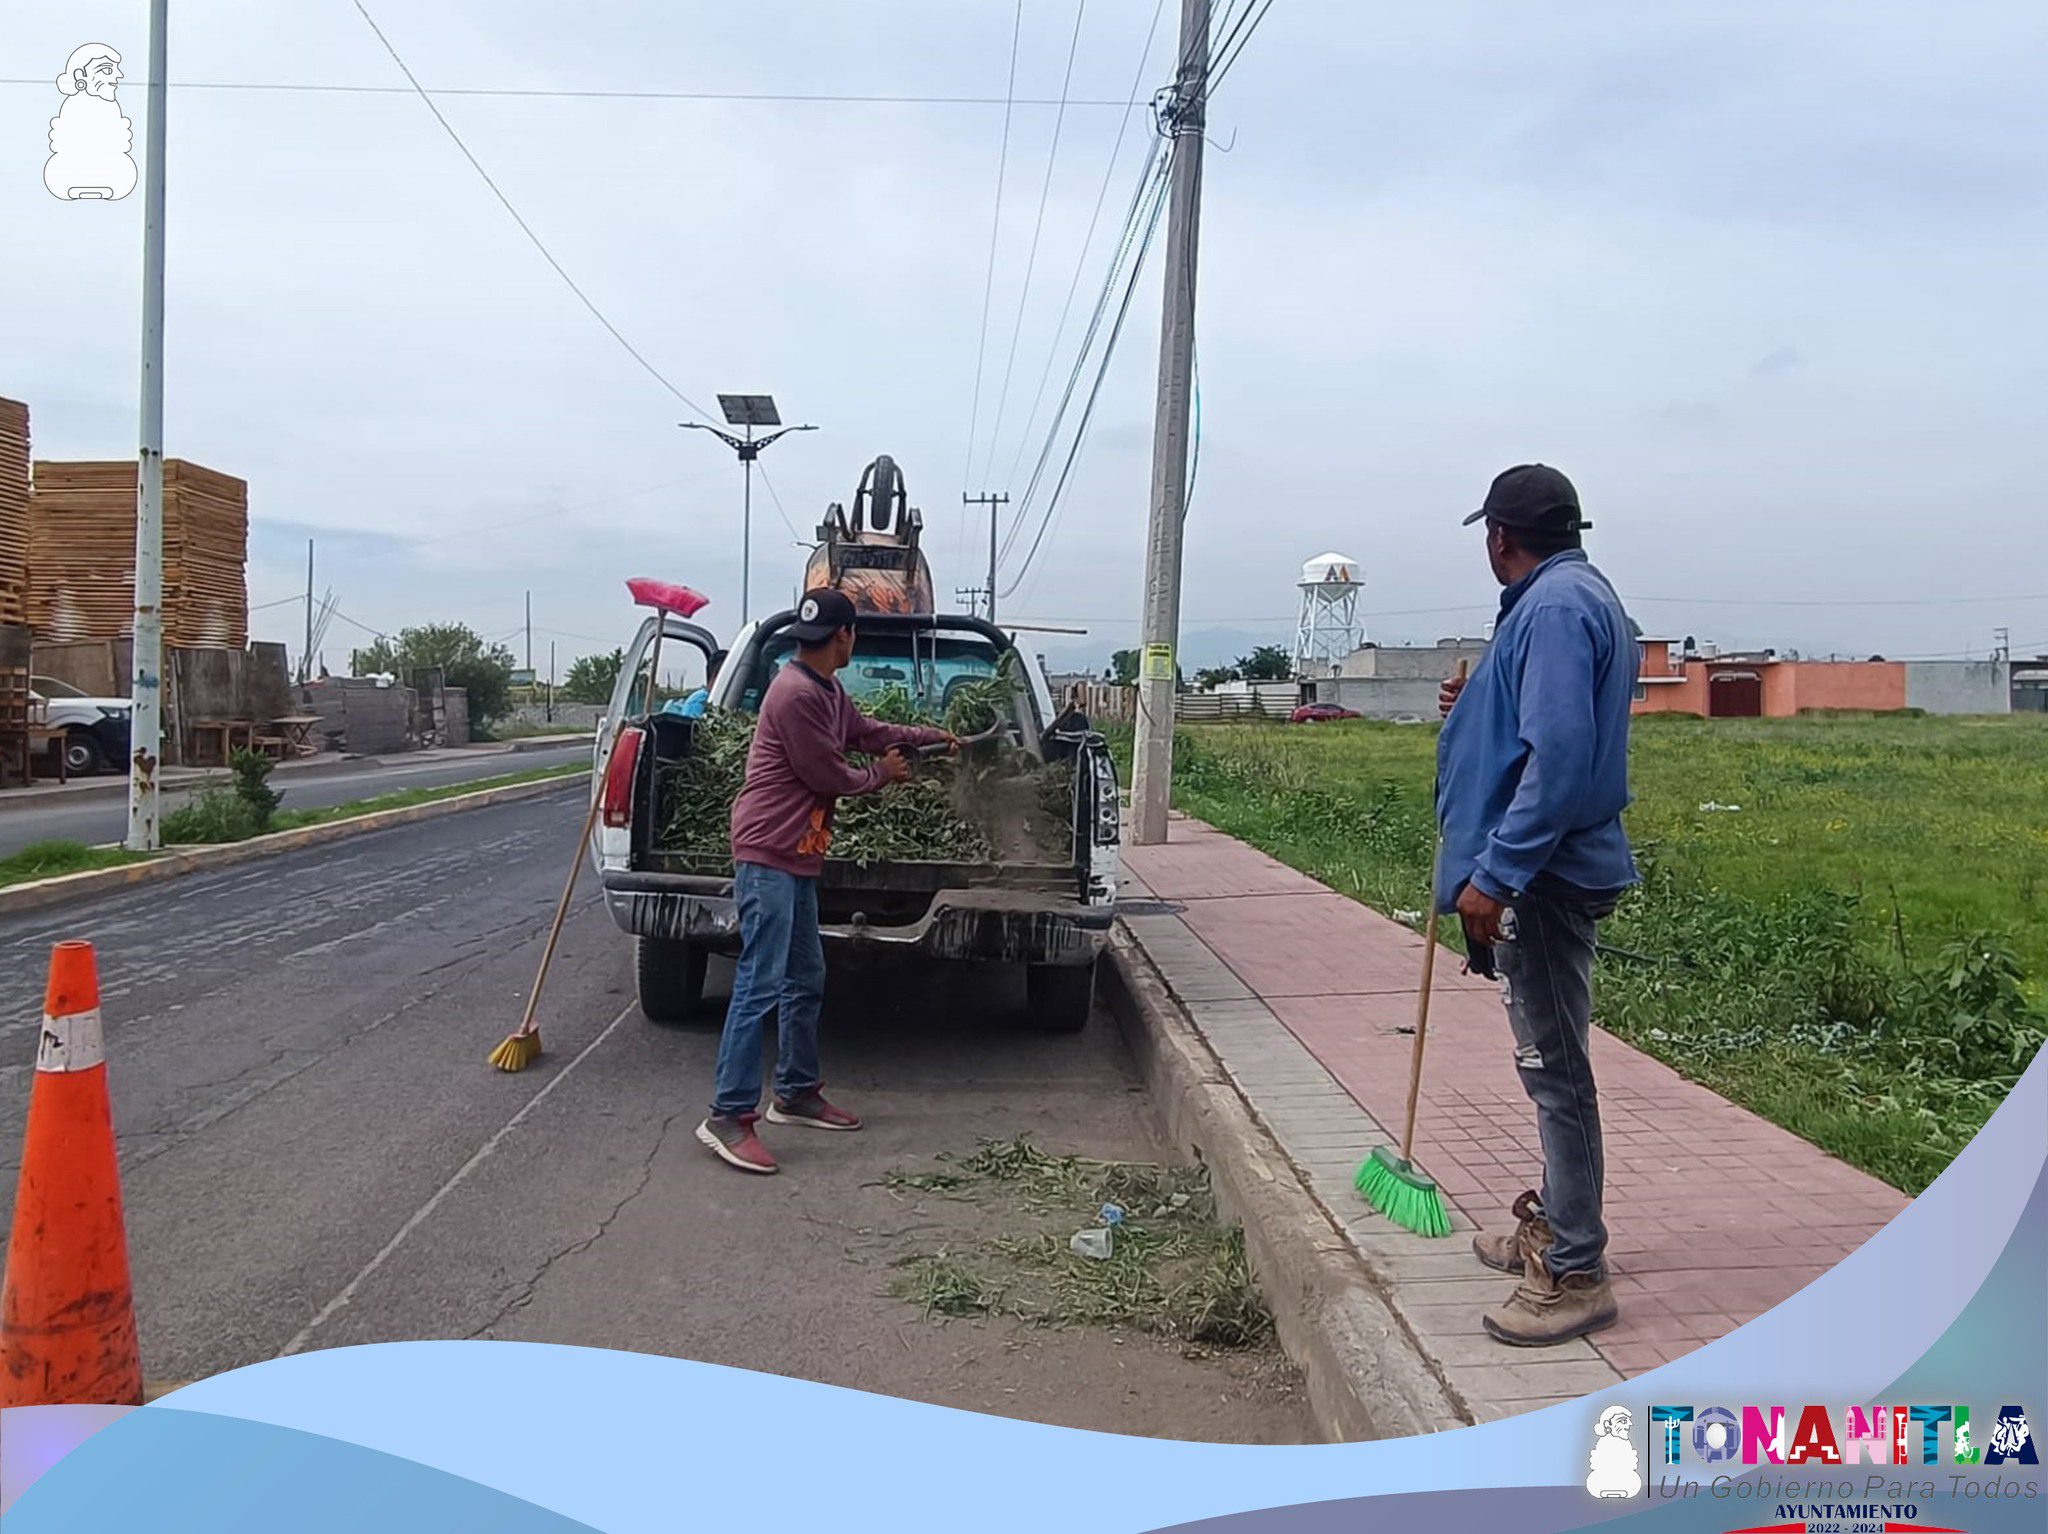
927 666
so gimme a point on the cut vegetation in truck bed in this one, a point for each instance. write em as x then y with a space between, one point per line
997 802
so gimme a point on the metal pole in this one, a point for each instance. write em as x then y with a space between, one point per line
551 682
306 657
529 633
747 525
1152 777
145 691
992 558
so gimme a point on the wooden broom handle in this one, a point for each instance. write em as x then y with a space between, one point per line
1422 995
575 867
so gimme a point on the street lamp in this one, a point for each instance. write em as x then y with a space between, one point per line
749 411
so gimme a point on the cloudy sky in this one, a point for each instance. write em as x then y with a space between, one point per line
1764 279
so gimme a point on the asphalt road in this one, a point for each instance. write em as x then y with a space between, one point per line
99 818
316 1154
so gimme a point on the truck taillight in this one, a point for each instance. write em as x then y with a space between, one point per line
618 779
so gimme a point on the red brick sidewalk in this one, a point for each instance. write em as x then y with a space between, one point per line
1715 1215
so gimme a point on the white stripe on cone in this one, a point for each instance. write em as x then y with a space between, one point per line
72 1043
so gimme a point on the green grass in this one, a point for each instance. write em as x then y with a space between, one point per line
47 860
1856 952
212 817
514 730
291 820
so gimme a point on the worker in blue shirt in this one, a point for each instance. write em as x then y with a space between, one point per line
1531 780
693 706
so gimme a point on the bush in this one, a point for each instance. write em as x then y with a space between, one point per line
252 769
217 815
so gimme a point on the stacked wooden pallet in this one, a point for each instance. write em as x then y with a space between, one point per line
81 554
13 511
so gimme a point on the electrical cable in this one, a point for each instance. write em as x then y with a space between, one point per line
524 227
1102 370
988 287
1152 177
819 98
1087 244
762 469
1248 24
1052 156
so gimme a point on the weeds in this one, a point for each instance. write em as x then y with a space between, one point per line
1176 1271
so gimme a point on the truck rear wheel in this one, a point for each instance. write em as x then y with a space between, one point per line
670 976
1059 996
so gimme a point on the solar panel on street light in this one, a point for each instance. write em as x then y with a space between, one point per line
749 409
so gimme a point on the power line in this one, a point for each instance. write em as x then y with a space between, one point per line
762 470
817 98
1095 390
1151 178
988 287
1248 24
1087 244
524 228
1052 156
1834 602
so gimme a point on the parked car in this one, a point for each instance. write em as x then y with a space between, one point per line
95 729
1319 713
1049 914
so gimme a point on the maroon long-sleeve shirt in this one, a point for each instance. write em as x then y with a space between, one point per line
797 769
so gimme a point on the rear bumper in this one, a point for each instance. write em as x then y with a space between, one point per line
972 924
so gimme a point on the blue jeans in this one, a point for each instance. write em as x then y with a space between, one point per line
1545 965
782 970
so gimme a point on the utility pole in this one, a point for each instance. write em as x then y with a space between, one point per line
991 502
551 682
145 688
970 596
529 633
2004 638
306 655
1183 117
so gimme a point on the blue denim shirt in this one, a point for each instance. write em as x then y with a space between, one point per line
1532 765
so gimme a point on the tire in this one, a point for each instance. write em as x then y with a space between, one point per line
1059 996
82 754
670 977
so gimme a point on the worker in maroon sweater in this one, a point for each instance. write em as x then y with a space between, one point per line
781 826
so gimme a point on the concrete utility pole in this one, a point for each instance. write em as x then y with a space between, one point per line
529 632
1183 117
991 502
145 687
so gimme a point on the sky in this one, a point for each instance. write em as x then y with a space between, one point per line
1765 280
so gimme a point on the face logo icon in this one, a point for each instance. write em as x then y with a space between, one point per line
1614 1468
808 613
89 138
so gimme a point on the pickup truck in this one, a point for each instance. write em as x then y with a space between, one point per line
95 729
1051 914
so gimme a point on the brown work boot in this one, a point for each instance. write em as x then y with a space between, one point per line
1508 1251
1545 1310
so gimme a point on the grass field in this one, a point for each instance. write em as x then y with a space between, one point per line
1840 923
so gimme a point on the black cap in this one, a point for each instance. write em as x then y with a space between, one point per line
822 613
1532 495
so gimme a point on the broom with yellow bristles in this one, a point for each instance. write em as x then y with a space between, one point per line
1392 1184
521 1047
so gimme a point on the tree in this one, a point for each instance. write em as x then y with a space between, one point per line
1212 677
592 678
1267 663
483 671
1123 667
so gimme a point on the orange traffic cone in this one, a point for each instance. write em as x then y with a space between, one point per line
67 1311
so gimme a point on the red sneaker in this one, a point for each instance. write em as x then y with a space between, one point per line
811 1110
731 1138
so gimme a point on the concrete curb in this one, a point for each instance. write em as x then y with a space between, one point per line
41 893
550 742
1366 1377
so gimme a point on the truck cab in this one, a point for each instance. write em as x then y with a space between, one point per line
1049 912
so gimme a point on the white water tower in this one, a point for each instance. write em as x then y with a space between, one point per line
1328 629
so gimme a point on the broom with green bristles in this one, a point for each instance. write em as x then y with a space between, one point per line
1393 1184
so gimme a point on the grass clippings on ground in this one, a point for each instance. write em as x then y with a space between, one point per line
1176 1270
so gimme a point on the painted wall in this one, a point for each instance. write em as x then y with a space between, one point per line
1959 686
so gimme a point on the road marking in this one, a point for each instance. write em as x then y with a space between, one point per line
420 1215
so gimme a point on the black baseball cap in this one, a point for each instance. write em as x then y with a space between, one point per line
822 613
1532 495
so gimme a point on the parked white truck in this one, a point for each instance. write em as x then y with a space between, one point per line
1044 901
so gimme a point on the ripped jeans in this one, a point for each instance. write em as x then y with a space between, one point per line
1544 962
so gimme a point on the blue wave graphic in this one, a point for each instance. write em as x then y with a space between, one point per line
174 1472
